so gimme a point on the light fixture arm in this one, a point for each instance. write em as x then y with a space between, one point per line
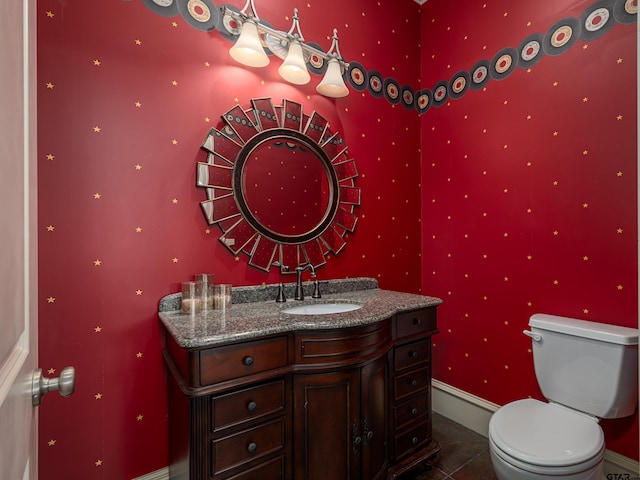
295 26
251 14
334 51
242 17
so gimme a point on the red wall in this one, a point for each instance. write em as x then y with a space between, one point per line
529 192
453 202
120 224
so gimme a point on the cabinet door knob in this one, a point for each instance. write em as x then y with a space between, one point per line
248 361
356 439
414 440
251 406
414 383
414 411
413 354
417 321
252 448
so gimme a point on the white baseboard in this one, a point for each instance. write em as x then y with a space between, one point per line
474 413
162 474
462 407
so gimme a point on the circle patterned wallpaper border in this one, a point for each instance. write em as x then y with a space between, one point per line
594 22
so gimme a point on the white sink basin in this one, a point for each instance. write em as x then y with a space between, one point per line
323 308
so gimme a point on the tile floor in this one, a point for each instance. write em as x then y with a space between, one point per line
464 454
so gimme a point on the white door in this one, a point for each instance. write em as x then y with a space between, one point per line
18 240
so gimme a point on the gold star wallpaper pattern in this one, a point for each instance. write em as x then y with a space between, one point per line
480 200
123 111
529 187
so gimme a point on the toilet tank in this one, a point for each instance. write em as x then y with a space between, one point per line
591 367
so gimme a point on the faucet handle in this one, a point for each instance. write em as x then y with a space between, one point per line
316 288
281 298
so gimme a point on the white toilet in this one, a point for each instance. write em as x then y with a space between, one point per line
586 371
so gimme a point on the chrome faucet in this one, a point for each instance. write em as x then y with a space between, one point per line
299 295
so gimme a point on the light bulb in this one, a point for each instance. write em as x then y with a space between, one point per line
294 68
248 49
332 85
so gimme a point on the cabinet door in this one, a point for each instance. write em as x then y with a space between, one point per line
327 429
374 425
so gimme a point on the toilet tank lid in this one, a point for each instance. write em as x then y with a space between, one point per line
583 328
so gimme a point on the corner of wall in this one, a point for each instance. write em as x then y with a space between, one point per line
474 413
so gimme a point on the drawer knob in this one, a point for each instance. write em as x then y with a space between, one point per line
414 411
414 440
248 361
413 354
414 383
417 321
251 406
252 448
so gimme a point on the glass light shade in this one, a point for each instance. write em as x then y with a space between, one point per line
332 85
248 49
294 68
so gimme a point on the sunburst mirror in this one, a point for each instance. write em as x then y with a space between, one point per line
279 184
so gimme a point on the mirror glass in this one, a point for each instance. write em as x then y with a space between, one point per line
285 187
279 184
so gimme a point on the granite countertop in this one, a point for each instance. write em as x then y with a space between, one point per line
252 315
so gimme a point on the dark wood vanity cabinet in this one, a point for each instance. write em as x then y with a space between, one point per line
340 403
230 411
345 403
410 393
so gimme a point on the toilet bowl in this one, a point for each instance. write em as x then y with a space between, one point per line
530 439
586 371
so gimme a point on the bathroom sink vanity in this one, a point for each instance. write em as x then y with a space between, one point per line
258 393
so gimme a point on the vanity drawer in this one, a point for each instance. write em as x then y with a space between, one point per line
412 439
411 354
248 445
341 344
416 322
248 404
233 361
411 382
271 470
416 409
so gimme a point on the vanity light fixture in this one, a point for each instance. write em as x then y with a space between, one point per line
332 85
289 46
294 68
248 48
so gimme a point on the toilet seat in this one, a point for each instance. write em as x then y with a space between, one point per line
545 437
